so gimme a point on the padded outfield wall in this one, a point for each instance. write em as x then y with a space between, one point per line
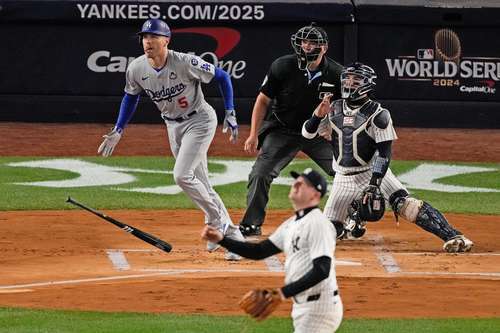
65 60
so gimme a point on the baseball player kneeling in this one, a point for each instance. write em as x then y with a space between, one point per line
308 241
361 135
172 80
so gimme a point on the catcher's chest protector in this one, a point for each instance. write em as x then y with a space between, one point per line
352 146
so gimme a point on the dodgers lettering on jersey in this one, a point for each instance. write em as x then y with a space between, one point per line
302 241
175 89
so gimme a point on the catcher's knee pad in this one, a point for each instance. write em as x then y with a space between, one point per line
404 205
410 208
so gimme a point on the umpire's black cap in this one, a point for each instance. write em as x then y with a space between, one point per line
314 178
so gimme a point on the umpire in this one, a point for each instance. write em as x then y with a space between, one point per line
293 84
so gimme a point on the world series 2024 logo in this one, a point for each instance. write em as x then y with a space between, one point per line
445 66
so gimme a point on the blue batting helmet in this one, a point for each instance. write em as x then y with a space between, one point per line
155 27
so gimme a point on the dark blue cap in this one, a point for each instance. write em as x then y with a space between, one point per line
314 178
155 27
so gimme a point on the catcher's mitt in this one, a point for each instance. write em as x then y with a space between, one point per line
260 303
371 207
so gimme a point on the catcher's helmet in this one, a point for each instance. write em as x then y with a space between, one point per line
356 80
313 34
372 210
155 27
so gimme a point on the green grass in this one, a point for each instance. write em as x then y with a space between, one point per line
21 197
13 320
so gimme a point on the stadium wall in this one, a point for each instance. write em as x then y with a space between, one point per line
64 61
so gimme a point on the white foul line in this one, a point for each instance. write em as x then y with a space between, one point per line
454 273
109 278
194 270
384 256
132 276
448 254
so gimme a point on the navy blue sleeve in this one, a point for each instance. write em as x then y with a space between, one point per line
312 124
256 251
319 272
225 86
127 109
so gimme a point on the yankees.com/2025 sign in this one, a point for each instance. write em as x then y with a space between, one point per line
173 12
226 39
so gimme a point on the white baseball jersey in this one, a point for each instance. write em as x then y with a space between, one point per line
175 89
302 241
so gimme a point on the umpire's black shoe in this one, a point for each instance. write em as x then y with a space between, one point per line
250 230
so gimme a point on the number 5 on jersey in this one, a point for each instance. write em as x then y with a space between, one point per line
183 103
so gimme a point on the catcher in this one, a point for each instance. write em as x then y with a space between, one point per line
362 134
308 241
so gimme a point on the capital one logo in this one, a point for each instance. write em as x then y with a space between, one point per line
226 39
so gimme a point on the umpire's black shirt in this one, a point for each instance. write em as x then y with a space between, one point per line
295 94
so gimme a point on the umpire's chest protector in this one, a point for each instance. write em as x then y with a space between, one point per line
352 146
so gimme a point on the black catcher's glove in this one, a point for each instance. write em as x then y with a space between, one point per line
372 205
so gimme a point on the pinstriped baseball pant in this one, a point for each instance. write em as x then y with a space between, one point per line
347 188
321 316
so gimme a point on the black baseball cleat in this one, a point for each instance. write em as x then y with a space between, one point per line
250 230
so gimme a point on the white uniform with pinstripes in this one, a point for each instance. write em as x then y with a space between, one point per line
302 241
176 91
346 188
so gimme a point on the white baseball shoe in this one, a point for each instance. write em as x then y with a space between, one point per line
222 227
230 256
457 244
233 232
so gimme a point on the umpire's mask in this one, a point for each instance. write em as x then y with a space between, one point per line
313 34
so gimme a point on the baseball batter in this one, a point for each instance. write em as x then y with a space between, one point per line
362 139
308 241
173 82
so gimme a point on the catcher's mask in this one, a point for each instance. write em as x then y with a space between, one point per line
372 210
315 35
357 80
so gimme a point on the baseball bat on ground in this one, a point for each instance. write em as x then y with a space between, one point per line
148 238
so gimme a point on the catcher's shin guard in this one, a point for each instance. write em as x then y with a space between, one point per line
431 220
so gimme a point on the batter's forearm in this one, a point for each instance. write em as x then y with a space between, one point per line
127 110
249 250
225 87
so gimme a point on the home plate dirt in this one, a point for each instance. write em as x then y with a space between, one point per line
75 261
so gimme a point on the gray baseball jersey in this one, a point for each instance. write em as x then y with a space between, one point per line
302 241
175 89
